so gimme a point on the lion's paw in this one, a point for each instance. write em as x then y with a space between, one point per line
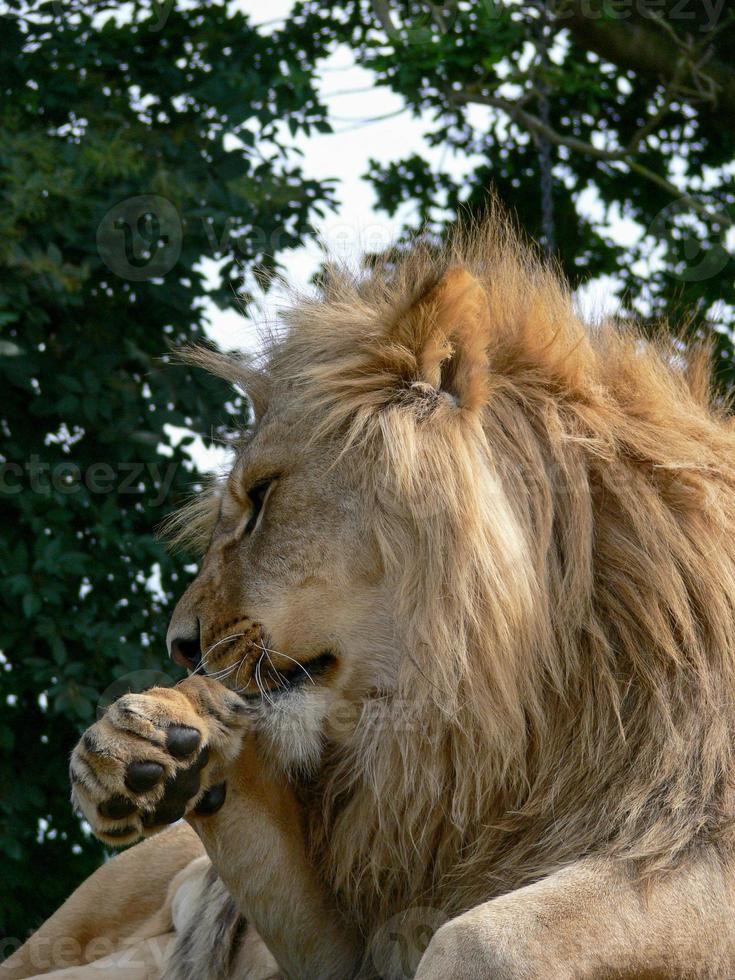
155 756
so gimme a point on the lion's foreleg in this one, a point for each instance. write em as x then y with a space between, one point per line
595 919
125 901
256 844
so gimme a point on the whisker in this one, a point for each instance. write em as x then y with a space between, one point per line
203 663
200 667
237 675
224 639
225 671
279 654
265 690
280 679
262 690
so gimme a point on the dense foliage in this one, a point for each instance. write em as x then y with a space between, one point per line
631 102
129 151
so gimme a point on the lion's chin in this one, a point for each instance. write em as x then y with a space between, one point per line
291 728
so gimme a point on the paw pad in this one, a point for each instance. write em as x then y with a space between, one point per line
152 757
142 776
116 808
177 791
168 812
182 740
212 800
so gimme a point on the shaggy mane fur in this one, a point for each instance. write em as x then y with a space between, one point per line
561 543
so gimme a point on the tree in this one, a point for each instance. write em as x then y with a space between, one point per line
627 104
130 149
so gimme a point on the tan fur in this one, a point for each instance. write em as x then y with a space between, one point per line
127 922
517 535
562 552
561 548
119 922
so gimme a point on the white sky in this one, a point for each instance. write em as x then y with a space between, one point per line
353 99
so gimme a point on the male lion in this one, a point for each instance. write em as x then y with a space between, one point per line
462 648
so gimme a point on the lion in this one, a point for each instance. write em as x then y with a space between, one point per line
461 647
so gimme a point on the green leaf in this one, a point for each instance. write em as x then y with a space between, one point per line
31 605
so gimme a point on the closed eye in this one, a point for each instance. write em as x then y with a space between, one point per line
257 495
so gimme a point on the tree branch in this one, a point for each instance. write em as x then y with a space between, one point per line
638 46
516 112
623 155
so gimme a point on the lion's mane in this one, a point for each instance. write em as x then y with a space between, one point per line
563 555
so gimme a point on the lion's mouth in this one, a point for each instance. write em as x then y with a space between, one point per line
271 676
269 679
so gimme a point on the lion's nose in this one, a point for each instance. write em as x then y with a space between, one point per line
186 650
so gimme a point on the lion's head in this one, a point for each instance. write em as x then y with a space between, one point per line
474 566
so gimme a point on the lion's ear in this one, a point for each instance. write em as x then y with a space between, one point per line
448 330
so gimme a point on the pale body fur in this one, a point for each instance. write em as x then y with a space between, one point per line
516 537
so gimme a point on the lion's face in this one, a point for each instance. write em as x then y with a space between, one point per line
288 606
337 547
